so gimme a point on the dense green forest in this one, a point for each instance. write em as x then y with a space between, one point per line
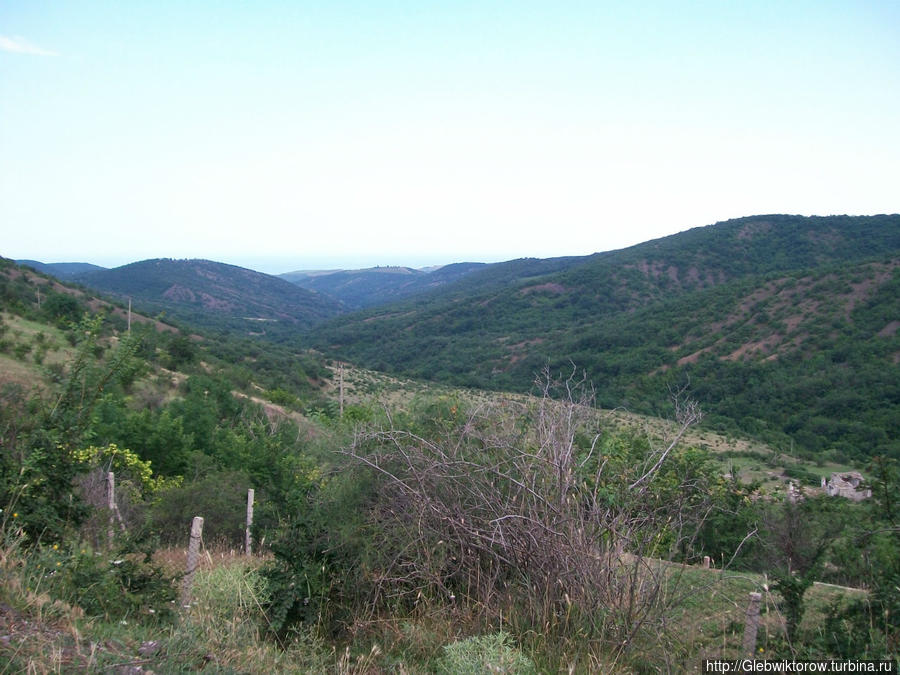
784 326
215 296
64 271
442 532
356 289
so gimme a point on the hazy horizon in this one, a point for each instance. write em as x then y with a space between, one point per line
265 265
387 133
277 265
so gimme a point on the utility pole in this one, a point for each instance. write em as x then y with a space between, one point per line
129 315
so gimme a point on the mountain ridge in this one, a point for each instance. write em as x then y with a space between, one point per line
213 294
785 327
657 315
359 289
61 270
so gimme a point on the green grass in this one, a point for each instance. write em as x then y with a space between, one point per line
45 345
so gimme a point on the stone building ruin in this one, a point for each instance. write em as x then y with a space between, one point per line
848 484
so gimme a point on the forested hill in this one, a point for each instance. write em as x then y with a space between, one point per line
785 326
358 289
64 270
215 295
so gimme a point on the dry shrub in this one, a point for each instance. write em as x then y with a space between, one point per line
527 508
101 522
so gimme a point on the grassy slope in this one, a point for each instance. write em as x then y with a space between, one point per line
223 629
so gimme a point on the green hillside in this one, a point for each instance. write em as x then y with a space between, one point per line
64 271
398 526
215 295
781 324
358 289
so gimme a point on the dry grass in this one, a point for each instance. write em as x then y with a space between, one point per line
21 331
37 633
13 371
222 630
174 560
710 619
225 626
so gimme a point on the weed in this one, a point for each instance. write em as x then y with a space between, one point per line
494 653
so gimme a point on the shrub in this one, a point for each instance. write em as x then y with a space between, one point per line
115 585
21 350
529 509
320 573
803 474
62 307
227 603
484 654
284 398
220 497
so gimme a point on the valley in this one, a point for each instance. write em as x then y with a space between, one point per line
608 451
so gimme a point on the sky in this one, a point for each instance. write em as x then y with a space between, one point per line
297 135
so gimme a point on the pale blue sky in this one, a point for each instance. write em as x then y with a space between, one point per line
296 135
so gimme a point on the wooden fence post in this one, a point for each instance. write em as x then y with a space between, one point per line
247 538
114 513
192 556
752 625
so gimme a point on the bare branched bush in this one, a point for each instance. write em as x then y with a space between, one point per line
529 507
129 508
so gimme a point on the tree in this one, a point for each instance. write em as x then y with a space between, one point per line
39 447
62 307
870 627
795 536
